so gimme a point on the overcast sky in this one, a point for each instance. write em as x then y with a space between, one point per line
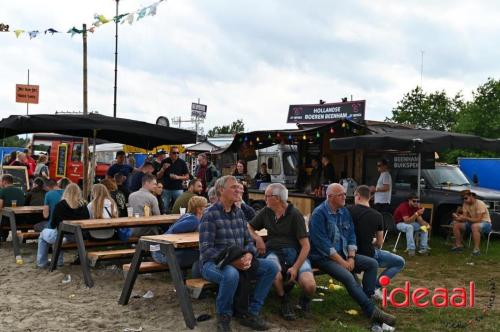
247 59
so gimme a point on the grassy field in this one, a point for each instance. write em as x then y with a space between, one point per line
441 269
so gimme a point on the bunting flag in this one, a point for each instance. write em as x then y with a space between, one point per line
100 20
33 34
51 31
18 33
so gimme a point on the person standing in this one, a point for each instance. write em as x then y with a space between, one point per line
173 172
328 172
41 169
475 219
223 226
369 224
136 179
120 166
262 175
383 189
206 172
159 156
333 250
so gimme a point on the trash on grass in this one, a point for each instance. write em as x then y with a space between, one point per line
130 329
66 279
352 312
149 295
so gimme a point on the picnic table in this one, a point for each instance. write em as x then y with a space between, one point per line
11 213
75 227
167 244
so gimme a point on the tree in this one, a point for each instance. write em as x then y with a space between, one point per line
481 116
431 111
15 141
236 127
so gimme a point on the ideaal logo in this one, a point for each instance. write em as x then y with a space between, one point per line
423 297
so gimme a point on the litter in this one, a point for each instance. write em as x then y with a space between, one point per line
352 312
129 329
149 295
66 279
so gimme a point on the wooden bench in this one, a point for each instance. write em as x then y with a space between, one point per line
23 236
146 267
94 256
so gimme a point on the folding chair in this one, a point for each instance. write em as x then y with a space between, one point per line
388 224
495 227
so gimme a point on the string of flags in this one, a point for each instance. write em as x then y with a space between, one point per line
99 20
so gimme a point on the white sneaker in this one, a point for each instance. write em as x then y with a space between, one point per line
378 296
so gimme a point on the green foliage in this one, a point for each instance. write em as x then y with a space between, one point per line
431 111
15 141
235 127
481 116
451 156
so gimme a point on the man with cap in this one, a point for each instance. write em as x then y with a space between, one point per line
475 218
408 219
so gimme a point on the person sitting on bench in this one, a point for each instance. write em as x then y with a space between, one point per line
71 207
142 198
333 250
223 227
189 222
287 246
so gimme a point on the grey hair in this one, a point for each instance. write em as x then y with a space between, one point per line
332 186
280 191
221 183
211 193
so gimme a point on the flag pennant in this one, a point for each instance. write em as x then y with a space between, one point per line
74 30
101 19
141 13
91 29
129 18
152 9
118 18
18 33
51 31
33 34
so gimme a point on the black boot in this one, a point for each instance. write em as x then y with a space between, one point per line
381 317
223 323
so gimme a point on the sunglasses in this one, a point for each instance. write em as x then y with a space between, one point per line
415 200
174 152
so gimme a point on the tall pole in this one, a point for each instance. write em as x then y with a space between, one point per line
85 112
116 58
27 104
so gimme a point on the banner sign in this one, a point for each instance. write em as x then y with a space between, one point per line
410 160
199 110
324 113
27 94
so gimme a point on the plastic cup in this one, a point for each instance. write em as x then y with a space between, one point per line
130 212
183 211
137 215
13 203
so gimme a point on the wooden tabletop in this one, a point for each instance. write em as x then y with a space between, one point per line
24 209
163 219
184 240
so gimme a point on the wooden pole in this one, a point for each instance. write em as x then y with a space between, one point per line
86 181
116 60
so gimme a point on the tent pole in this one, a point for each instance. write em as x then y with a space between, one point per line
85 149
92 171
419 175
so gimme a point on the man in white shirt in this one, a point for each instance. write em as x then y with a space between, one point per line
383 190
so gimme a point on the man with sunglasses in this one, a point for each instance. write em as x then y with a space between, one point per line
383 190
475 219
333 250
408 218
173 171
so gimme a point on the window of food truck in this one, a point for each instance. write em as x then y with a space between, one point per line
405 179
447 175
76 154
290 163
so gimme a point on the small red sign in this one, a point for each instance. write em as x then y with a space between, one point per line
27 94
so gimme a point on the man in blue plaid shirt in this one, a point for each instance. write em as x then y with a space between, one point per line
221 226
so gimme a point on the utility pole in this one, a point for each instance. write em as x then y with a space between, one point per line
86 181
116 59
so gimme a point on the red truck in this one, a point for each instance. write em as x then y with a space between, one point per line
65 156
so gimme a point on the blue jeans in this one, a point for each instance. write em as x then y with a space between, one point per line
170 196
47 237
409 229
228 277
361 263
485 227
393 263
186 258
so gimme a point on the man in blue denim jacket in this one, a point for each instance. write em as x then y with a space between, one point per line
333 250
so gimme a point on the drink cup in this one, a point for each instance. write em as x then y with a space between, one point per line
14 203
183 211
130 212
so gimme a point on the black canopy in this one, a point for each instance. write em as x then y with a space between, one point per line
417 140
136 133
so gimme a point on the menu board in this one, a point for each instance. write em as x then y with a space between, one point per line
20 175
62 157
